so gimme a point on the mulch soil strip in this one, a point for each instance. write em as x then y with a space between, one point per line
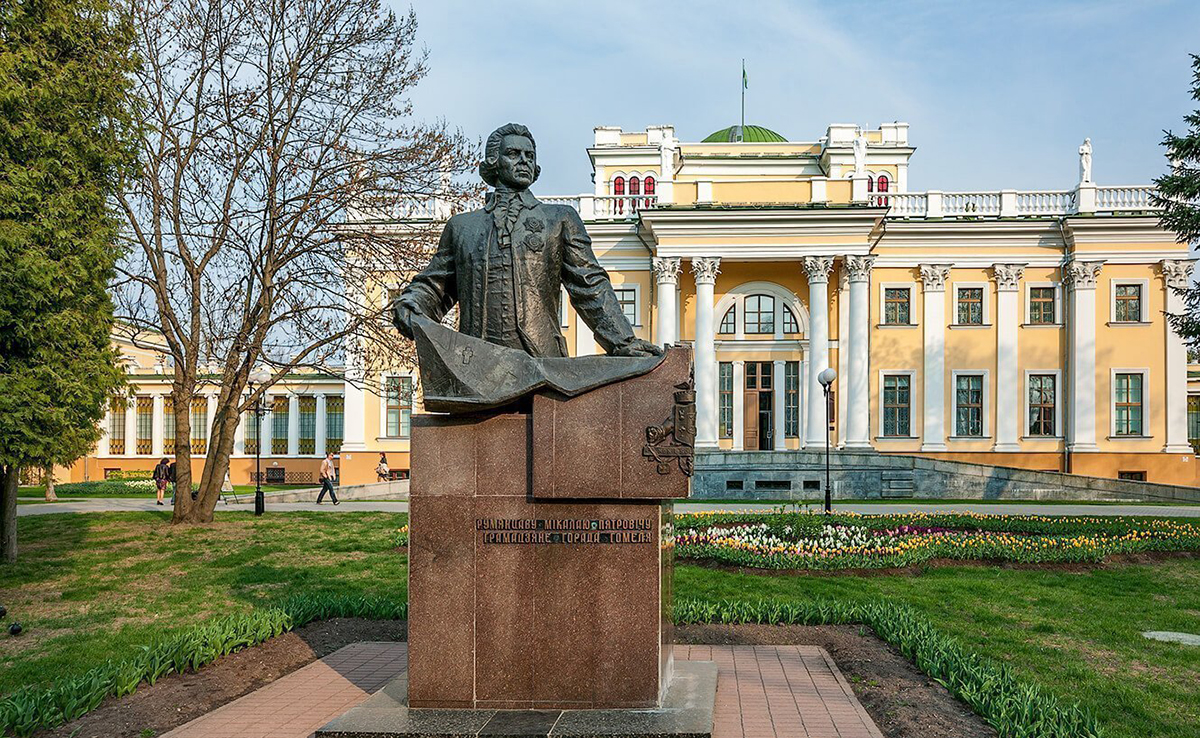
902 701
181 698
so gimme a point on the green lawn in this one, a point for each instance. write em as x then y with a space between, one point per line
93 587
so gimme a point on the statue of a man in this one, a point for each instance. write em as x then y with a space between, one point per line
506 264
1085 161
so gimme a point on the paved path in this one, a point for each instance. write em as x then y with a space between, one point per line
762 692
1179 511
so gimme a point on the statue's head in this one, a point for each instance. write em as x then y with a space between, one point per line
510 157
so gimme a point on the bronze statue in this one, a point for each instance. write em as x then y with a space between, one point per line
505 266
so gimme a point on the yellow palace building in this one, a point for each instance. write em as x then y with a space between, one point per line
1010 329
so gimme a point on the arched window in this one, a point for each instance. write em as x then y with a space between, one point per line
635 186
619 186
789 321
881 186
648 185
760 314
870 184
729 322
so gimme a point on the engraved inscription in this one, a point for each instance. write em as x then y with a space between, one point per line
533 531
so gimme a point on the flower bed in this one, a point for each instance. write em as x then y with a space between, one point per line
849 541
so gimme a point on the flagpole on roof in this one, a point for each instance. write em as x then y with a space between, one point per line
744 84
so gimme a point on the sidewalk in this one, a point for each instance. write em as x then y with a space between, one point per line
762 692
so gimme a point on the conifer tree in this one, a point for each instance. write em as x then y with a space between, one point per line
1179 196
63 82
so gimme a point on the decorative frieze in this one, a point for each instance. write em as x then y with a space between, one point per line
1008 276
706 269
933 276
818 268
859 267
1178 274
666 270
1082 275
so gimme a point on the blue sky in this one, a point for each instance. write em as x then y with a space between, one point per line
997 94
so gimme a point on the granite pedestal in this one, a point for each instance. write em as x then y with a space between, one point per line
540 557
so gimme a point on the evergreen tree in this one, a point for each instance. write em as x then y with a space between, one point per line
1179 196
63 150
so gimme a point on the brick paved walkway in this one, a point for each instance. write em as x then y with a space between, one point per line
762 692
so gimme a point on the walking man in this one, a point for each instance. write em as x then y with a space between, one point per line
327 476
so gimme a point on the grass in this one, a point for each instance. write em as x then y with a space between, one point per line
39 493
93 587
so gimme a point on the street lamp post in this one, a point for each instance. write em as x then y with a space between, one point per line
826 378
259 409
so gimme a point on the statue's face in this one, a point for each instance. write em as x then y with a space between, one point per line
518 162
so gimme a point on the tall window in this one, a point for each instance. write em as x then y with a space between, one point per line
335 413
1194 421
199 425
1042 393
1128 408
896 305
251 436
279 425
970 306
729 321
169 425
881 183
145 425
627 298
635 186
399 406
725 399
760 314
897 405
619 186
1129 303
1041 305
648 185
789 321
968 408
791 399
308 425
116 427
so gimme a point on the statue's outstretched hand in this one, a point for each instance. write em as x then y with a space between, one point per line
639 347
402 318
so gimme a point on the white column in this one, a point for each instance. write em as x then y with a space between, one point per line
212 415
818 269
666 277
777 398
266 424
131 426
858 430
843 355
239 432
1176 275
1081 423
354 413
933 434
803 401
585 340
319 448
739 405
705 271
157 421
293 424
1008 405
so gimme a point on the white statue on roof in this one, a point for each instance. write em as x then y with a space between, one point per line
1085 161
860 153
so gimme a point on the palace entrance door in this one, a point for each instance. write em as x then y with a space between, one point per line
759 406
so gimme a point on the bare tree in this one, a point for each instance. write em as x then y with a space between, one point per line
267 126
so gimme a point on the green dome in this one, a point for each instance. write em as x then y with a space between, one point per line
748 134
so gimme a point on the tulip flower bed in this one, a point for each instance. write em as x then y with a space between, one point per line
849 541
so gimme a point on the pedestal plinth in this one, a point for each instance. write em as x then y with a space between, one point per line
540 552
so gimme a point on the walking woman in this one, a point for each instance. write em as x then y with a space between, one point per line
161 476
382 473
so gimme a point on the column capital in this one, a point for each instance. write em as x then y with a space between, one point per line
666 270
934 276
859 267
739 362
1008 276
706 269
1082 275
818 268
1177 273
